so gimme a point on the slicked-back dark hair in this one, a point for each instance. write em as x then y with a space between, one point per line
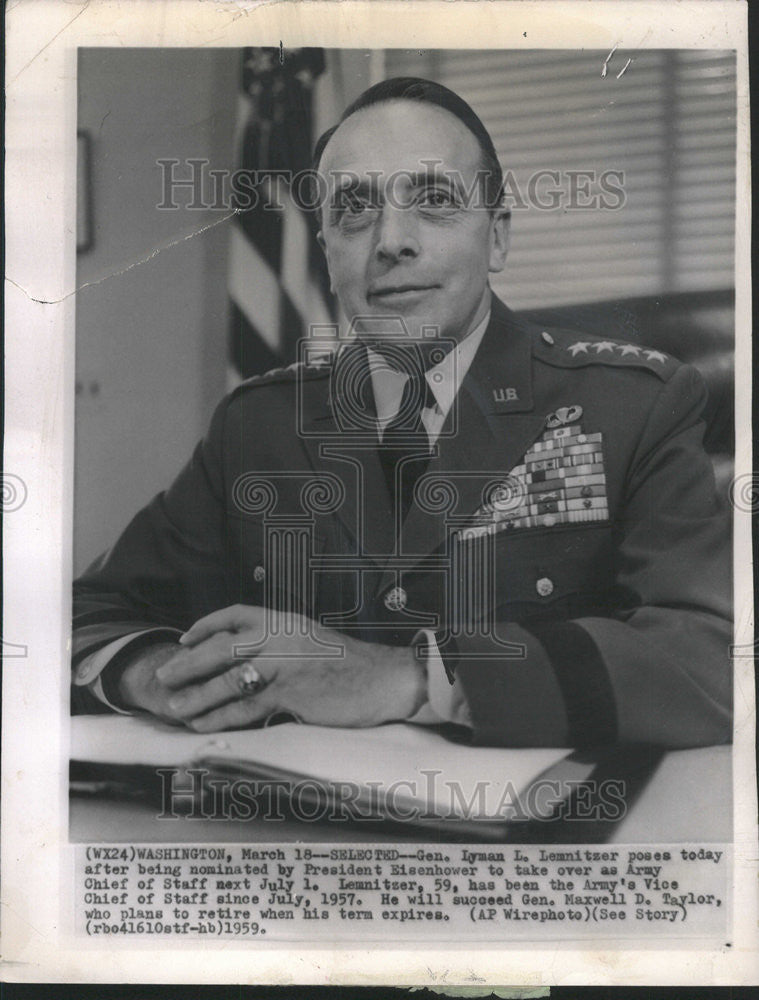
412 88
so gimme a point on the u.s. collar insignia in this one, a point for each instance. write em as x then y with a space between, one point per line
563 416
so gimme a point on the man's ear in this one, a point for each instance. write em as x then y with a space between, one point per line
323 244
500 239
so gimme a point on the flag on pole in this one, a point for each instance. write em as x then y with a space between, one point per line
278 283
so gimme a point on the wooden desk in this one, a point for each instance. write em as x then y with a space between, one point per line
688 799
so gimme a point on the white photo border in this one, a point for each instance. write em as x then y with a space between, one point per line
43 37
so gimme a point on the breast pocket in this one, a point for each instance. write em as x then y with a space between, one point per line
561 572
273 564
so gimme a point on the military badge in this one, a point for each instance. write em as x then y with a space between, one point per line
560 480
564 415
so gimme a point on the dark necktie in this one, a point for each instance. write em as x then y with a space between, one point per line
405 446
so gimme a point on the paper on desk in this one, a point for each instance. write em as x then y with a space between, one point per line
421 762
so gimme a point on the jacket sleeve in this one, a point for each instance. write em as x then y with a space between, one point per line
656 668
166 570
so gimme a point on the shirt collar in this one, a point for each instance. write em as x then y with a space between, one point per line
444 378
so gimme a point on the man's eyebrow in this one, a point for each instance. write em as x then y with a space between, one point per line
354 185
432 175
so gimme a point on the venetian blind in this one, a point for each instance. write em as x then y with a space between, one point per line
665 128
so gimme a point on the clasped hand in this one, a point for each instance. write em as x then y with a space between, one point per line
322 676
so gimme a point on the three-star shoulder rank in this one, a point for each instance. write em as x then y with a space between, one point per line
569 349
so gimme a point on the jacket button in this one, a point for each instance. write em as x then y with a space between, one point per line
547 338
259 574
544 586
396 599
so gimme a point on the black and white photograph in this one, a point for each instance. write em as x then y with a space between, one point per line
471 481
406 494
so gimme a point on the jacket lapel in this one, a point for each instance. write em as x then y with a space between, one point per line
489 428
340 437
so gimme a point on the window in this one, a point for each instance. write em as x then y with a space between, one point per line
665 126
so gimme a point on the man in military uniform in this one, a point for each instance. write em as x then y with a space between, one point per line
459 518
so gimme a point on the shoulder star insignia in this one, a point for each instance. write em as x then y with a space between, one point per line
581 347
629 349
604 345
655 356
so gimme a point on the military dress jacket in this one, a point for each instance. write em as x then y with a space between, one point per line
565 546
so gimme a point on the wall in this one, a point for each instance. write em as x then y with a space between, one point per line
151 309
